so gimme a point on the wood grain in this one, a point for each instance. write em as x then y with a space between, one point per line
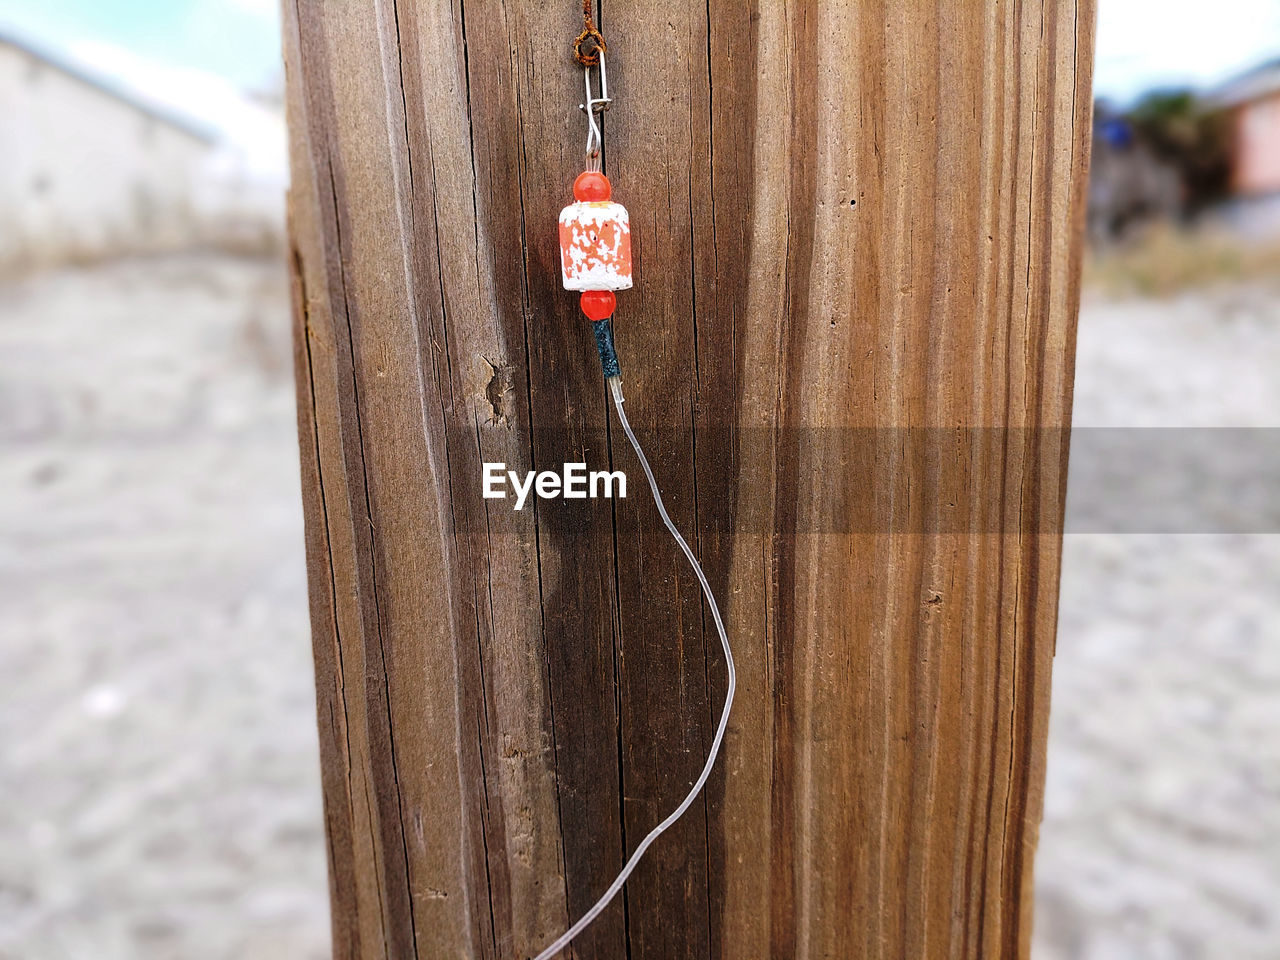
856 230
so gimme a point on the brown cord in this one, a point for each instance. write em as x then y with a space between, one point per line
589 57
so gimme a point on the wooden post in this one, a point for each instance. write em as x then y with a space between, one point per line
857 238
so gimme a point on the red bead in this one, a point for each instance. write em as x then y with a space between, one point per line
591 186
598 304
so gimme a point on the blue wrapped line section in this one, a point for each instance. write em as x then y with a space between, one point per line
604 344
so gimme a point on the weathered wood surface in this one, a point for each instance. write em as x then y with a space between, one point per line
849 219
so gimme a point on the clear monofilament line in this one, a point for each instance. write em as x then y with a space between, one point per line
615 386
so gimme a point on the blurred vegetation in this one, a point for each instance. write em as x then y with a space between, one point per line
1162 260
1190 135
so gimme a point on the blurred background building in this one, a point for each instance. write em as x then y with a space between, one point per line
1252 104
94 168
90 169
1191 157
1253 100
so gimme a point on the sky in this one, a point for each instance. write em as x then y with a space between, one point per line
1142 44
197 53
235 40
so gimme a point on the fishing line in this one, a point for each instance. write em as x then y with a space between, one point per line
615 387
595 247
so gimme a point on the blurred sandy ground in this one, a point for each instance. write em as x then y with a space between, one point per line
1161 835
160 783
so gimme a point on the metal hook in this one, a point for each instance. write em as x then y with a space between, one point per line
593 108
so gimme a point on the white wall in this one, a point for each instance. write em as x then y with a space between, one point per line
85 174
